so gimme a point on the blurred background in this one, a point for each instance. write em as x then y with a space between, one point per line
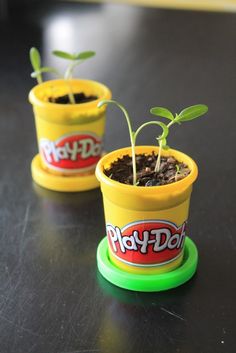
215 5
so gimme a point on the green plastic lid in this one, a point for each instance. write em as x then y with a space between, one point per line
151 282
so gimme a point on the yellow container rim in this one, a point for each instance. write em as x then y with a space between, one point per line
72 183
36 92
106 160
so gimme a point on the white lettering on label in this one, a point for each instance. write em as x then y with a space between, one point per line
159 239
83 149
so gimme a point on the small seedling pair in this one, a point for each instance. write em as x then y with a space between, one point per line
186 114
74 60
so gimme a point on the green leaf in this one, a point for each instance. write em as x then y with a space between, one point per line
192 112
48 69
63 55
84 55
163 112
43 69
166 147
35 58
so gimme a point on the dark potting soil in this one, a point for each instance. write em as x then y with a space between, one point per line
79 98
170 170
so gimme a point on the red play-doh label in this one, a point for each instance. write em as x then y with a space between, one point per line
147 243
74 152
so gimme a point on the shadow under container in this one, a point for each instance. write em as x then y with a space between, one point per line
146 247
70 136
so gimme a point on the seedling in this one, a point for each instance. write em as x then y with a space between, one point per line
187 114
74 60
177 171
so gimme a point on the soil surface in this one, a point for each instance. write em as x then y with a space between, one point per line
170 170
79 98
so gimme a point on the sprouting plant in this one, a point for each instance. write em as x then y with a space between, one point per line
74 60
177 171
133 134
187 114
35 59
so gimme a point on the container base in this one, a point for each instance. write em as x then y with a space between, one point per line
61 183
148 283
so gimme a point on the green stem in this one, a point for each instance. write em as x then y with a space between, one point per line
171 123
69 70
67 76
164 135
131 134
39 79
132 140
70 93
158 163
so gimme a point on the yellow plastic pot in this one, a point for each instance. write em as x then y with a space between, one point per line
70 136
146 226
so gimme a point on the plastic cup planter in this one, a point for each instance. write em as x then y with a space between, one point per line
145 248
69 136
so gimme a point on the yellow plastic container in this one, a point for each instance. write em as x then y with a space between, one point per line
70 136
146 226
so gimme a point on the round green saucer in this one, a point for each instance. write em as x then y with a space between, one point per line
148 283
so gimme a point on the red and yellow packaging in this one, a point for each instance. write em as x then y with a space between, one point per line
146 226
70 136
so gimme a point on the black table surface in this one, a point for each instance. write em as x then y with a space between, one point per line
52 298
